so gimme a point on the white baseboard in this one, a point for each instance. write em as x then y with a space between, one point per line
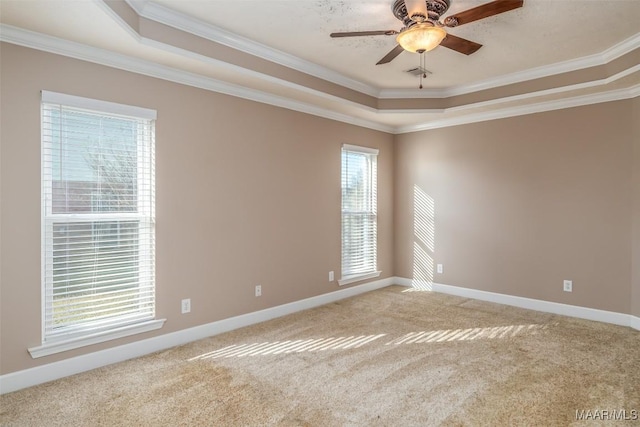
52 371
528 303
411 283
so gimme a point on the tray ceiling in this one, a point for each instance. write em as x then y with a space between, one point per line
548 54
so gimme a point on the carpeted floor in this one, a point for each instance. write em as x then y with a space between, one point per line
391 357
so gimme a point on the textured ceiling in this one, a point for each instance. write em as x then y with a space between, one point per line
280 52
541 33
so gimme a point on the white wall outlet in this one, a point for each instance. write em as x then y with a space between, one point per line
331 276
439 268
258 290
567 286
186 305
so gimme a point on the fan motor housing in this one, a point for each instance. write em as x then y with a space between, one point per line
435 9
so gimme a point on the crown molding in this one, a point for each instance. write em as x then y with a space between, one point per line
540 107
192 25
137 5
82 52
248 72
238 70
524 96
119 19
167 16
614 52
38 41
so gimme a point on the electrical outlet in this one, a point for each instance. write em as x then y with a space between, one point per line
567 286
439 268
186 305
258 290
331 276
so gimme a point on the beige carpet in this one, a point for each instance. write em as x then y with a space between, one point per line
386 358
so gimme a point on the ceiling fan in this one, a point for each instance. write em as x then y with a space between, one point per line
423 30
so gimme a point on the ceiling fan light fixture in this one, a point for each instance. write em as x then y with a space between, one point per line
418 17
421 37
416 10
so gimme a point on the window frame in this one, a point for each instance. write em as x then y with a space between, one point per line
79 337
371 156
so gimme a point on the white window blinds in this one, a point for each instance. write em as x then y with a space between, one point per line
98 194
359 211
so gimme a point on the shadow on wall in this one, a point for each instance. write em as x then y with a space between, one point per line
424 229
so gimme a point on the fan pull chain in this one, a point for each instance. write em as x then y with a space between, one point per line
423 66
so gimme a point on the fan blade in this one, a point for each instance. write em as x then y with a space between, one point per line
365 33
391 55
460 45
483 11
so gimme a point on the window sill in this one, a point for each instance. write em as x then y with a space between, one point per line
73 343
358 277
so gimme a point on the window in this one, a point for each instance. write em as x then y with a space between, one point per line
359 213
98 221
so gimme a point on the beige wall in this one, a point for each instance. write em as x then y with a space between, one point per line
521 204
246 194
635 118
249 194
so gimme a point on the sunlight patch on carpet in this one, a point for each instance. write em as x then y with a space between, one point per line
285 347
344 343
419 286
468 334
